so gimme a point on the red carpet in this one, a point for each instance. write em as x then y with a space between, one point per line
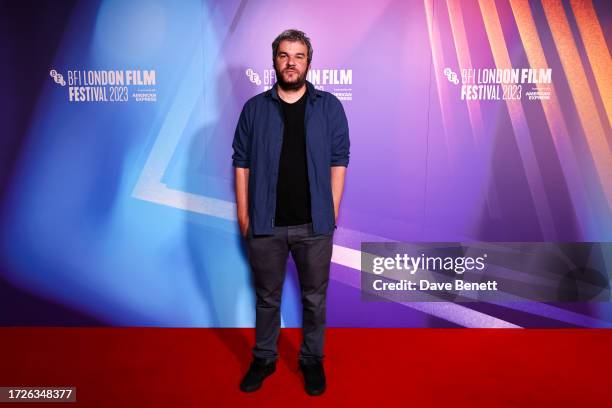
399 367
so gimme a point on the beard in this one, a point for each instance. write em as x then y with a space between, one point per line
290 85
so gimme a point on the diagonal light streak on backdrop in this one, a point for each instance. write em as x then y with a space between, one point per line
579 87
519 123
554 118
483 144
596 49
439 65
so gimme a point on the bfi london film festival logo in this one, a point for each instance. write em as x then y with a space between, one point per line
253 76
108 85
336 81
485 84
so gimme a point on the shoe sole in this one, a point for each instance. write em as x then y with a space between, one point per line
315 393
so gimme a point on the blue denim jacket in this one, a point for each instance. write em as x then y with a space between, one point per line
257 146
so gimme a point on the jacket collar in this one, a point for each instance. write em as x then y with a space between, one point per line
313 92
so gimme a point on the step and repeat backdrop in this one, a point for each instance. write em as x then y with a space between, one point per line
478 194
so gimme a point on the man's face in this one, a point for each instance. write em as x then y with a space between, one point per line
291 64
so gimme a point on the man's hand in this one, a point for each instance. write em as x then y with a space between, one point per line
243 222
337 184
242 199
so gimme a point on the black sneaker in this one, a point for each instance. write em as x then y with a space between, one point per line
314 377
258 371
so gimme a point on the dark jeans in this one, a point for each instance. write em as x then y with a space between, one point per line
268 259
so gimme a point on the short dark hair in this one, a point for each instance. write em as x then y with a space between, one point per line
292 35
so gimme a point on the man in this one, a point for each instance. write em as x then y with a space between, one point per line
291 150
